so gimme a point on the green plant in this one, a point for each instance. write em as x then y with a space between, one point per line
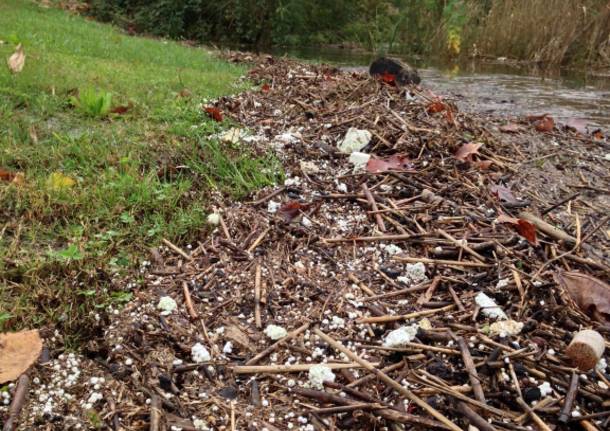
91 102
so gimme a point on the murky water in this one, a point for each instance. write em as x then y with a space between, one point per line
497 88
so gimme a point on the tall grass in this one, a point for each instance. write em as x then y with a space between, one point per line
549 31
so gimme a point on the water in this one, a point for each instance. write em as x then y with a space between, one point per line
496 87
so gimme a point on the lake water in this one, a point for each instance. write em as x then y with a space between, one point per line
496 87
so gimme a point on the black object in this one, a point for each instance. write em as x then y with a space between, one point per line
403 73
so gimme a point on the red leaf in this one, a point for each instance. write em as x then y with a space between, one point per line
504 194
598 136
435 107
542 123
214 113
394 162
388 78
511 128
483 164
526 229
6 175
120 109
265 88
291 209
467 151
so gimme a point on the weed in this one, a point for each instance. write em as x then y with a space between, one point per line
93 102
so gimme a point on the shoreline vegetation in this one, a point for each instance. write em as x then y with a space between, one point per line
547 32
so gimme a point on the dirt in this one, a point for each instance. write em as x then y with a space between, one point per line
339 259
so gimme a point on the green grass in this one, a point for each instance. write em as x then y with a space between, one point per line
100 188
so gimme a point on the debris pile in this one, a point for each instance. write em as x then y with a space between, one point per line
428 285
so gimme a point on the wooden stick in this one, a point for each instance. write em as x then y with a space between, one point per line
442 262
370 377
188 301
361 285
389 381
533 415
225 230
566 411
396 293
23 384
176 249
155 412
456 299
463 246
373 204
292 368
402 237
278 343
474 417
257 297
475 382
258 240
549 229
427 296
394 318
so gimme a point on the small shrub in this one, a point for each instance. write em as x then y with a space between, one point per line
92 102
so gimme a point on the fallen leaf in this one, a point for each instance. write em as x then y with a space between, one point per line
526 229
542 123
185 92
120 110
591 295
6 175
214 113
598 135
436 106
467 151
238 337
265 88
503 193
511 128
17 60
291 209
483 164
394 162
577 124
18 351
58 181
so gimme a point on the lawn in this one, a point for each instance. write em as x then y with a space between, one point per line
95 190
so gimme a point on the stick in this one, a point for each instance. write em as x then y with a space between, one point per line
456 299
474 417
475 382
225 230
188 301
373 204
257 297
21 393
278 343
402 237
566 411
427 296
176 249
396 293
292 368
258 240
389 381
370 377
463 246
442 262
533 415
393 318
550 230
155 413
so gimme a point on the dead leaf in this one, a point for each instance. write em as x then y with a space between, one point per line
394 162
291 210
591 295
466 152
436 106
577 124
525 228
17 60
598 136
120 110
6 175
18 351
58 181
542 123
265 88
33 135
483 164
503 193
235 334
511 128
214 113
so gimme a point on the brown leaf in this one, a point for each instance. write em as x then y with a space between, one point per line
120 110
18 351
394 162
265 88
591 295
291 209
214 113
511 128
542 123
525 228
17 60
467 151
503 193
483 164
598 136
6 175
436 106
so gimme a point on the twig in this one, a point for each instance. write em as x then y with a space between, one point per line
550 230
188 301
402 237
475 382
176 249
427 296
373 204
442 262
463 246
394 318
389 381
543 426
566 411
257 297
560 203
456 299
225 230
474 417
269 196
258 240
19 397
292 368
155 413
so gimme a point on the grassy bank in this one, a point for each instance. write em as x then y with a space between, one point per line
93 190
